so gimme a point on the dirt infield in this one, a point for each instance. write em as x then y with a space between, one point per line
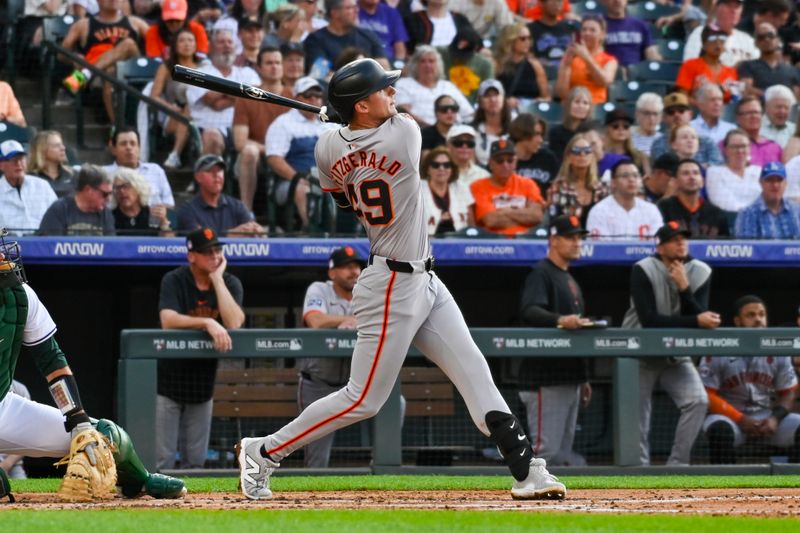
738 502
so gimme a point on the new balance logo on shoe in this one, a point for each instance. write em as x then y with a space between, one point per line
251 468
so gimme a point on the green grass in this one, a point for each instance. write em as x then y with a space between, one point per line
368 521
334 483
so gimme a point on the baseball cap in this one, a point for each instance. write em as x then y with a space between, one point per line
202 239
617 115
667 162
344 256
174 10
773 169
292 48
490 84
247 22
676 100
10 148
305 84
503 146
208 161
460 129
670 230
563 225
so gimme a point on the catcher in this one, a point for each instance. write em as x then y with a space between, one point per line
99 454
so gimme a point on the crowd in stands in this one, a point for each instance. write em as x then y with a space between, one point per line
528 110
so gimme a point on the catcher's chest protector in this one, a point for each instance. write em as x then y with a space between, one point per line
13 315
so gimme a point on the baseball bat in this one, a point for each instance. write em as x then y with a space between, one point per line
241 90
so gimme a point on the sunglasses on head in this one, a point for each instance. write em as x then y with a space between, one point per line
462 144
577 150
447 108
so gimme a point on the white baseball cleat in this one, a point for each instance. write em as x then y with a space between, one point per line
539 485
254 470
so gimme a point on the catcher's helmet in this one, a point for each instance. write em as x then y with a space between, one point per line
11 271
356 81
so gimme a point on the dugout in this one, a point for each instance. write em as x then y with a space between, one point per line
92 300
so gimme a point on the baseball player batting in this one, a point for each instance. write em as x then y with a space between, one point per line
371 167
38 430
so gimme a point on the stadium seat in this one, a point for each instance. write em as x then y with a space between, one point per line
629 91
671 49
587 8
652 11
56 28
137 72
9 131
13 12
548 111
664 72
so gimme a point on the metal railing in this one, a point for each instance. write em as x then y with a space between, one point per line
52 50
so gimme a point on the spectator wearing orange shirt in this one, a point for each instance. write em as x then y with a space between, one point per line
708 68
586 63
10 111
161 35
506 202
532 9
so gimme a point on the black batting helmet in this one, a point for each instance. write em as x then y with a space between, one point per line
356 81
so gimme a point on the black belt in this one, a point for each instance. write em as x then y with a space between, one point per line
402 266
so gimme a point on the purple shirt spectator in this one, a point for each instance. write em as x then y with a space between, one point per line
387 24
764 151
627 39
609 160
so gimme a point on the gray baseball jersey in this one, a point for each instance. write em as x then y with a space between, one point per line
396 303
378 169
322 298
748 383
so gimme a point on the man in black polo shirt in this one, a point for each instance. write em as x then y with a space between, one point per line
554 389
701 218
771 68
211 208
659 183
200 295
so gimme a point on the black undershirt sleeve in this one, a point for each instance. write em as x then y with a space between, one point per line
644 301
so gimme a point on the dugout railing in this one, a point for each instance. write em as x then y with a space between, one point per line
141 350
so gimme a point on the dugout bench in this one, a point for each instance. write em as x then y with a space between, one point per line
242 393
141 349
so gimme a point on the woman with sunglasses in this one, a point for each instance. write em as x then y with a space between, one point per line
447 200
617 139
519 71
577 110
461 144
586 63
708 68
446 109
578 187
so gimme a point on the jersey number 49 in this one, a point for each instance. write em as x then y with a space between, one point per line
373 201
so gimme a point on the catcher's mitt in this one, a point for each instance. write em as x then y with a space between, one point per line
91 472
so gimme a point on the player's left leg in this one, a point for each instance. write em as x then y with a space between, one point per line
445 339
682 382
31 429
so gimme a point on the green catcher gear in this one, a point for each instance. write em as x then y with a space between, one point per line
132 476
5 487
